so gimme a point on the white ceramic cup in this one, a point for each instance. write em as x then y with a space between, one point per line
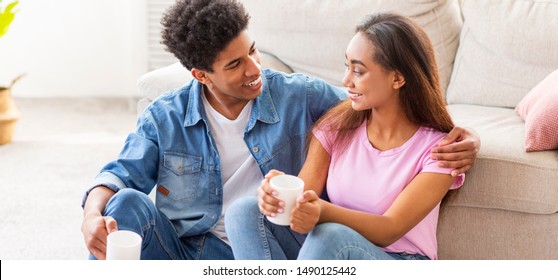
123 245
288 187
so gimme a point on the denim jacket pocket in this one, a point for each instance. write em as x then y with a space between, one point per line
180 175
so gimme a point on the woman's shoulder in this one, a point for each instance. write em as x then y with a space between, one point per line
431 133
427 138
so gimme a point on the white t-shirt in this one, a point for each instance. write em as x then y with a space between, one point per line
241 175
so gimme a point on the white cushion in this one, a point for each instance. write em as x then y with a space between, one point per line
506 48
311 36
158 81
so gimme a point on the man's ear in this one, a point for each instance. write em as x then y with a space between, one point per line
398 80
200 75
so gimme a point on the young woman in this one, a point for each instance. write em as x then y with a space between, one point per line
373 152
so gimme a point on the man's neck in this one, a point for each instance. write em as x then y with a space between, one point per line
230 108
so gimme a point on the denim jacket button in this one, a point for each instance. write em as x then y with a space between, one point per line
255 149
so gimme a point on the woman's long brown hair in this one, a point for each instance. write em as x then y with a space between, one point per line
401 45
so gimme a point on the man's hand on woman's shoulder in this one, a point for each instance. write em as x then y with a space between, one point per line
458 149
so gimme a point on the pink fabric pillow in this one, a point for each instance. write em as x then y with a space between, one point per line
539 110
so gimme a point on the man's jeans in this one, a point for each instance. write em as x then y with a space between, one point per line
252 236
135 211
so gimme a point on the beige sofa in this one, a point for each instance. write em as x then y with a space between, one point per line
490 54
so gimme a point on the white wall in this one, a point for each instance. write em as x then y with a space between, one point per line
72 48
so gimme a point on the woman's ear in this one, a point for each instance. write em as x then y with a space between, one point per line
200 75
398 80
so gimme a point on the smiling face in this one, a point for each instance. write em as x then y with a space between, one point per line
236 76
369 84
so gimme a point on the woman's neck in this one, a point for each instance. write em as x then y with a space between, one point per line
389 129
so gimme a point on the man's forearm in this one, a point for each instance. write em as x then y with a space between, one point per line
97 200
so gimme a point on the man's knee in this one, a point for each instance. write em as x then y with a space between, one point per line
127 199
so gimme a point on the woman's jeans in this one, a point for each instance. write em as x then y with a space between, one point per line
135 211
252 236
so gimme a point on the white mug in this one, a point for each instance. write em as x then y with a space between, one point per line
288 187
123 245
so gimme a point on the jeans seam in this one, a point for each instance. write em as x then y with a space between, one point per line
263 236
200 246
352 247
160 239
146 227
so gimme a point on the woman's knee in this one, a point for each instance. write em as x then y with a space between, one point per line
344 243
330 231
242 210
337 236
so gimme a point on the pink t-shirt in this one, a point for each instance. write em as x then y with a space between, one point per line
366 179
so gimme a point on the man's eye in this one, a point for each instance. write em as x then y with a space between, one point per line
234 65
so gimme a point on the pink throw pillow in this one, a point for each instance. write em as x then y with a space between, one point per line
539 110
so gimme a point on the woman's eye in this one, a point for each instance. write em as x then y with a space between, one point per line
355 71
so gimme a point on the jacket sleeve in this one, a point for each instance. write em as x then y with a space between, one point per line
322 97
137 164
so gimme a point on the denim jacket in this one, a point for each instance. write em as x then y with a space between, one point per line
173 149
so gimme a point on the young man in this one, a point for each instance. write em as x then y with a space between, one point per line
210 142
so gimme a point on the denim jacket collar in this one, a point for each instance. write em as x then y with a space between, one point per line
195 106
262 110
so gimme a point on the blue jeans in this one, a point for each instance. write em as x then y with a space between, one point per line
135 211
252 236
348 245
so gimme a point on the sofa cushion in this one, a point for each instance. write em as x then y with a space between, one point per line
158 81
504 175
311 36
506 48
539 110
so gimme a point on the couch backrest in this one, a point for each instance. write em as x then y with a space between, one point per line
506 48
311 35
